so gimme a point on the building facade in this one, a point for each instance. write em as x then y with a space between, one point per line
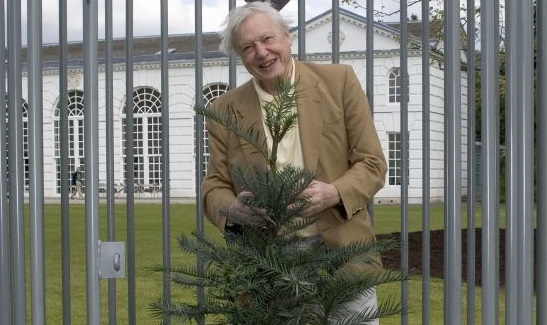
147 106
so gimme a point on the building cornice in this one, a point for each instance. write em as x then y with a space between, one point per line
77 67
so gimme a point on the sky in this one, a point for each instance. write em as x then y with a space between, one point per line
147 15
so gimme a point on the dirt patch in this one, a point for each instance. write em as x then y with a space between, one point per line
392 260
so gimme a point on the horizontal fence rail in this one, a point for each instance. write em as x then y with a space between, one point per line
433 83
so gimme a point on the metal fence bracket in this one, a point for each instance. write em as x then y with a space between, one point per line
111 260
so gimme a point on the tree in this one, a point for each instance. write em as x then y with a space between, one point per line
267 275
381 13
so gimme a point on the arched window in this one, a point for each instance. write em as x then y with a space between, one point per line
24 108
210 93
213 91
75 107
395 84
147 141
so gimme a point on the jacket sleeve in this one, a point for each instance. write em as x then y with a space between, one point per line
366 161
217 187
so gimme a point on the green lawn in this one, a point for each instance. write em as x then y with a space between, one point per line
148 241
148 237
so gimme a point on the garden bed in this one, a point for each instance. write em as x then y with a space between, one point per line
392 260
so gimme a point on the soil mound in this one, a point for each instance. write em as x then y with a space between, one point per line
392 260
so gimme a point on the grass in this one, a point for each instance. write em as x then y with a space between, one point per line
148 241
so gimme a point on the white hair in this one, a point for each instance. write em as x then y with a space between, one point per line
237 16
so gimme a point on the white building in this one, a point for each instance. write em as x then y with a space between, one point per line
147 104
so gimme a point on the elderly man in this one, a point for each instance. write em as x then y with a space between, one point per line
335 137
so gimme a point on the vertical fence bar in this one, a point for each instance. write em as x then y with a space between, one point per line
91 152
452 221
130 165
36 163
63 161
5 291
199 146
15 163
301 30
4 215
541 245
512 172
232 60
109 148
335 31
525 155
403 59
490 162
426 171
471 139
165 153
370 76
370 53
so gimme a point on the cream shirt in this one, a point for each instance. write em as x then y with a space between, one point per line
290 149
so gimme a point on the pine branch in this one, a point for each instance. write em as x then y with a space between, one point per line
230 121
271 275
280 115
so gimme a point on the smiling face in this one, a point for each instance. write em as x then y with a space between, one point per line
265 49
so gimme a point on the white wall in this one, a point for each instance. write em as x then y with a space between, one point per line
182 97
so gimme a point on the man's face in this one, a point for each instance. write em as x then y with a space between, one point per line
265 50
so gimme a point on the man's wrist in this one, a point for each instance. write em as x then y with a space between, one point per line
233 228
341 208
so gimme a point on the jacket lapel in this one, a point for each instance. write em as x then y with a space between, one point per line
250 113
310 116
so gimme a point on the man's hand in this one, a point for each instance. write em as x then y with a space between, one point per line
320 196
241 214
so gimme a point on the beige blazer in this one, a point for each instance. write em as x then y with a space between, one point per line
339 144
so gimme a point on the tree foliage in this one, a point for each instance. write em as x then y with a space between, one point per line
271 275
